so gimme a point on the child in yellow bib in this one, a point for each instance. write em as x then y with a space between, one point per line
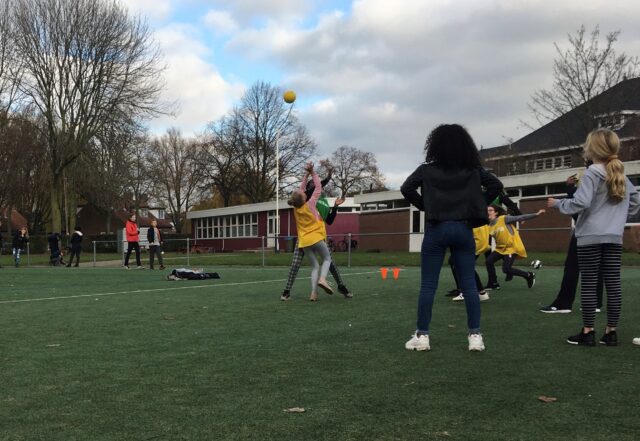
311 232
509 246
481 238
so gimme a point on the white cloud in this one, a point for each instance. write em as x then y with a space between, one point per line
388 72
220 22
194 83
154 9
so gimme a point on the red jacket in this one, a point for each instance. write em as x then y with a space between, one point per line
132 232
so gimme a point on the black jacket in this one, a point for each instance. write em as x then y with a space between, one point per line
452 194
151 235
76 240
54 242
19 241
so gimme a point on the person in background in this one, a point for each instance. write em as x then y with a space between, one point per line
55 256
509 246
133 241
20 241
563 303
75 246
451 182
155 244
604 200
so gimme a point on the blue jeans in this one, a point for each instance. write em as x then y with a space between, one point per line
458 237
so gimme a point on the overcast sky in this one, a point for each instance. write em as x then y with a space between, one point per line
377 75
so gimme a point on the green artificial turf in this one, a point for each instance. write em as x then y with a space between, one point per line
109 354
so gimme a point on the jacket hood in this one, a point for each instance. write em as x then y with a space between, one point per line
599 170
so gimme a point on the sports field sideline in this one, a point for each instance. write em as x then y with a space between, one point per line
108 354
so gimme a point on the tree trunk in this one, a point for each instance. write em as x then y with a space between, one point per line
109 221
55 199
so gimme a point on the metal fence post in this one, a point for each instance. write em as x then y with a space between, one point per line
349 251
188 252
28 254
94 253
262 245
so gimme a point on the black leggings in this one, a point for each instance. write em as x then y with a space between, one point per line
132 246
507 267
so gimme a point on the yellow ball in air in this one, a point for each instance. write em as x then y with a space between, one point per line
289 96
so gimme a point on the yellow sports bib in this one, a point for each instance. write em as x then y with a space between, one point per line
507 243
310 229
481 236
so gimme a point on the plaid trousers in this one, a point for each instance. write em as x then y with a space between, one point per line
298 255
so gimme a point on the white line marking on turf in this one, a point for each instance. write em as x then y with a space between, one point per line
139 291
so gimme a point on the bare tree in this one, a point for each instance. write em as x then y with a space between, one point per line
218 157
582 71
86 64
10 72
175 170
354 171
261 121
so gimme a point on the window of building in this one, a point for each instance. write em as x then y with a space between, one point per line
271 222
534 190
237 225
144 212
161 213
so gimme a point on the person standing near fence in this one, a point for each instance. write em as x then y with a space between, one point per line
451 182
155 244
312 232
20 241
133 239
604 200
75 246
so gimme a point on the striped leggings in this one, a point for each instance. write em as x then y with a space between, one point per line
298 255
592 259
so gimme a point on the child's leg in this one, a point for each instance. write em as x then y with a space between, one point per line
152 251
610 269
315 271
136 246
16 256
491 269
322 250
159 254
333 269
508 270
129 249
589 258
298 255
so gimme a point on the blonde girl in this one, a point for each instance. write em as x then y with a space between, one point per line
604 199
311 232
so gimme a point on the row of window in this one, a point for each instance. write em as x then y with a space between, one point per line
236 225
555 162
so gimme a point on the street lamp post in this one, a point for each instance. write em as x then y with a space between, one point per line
289 97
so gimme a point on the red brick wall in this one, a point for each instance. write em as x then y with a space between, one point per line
385 222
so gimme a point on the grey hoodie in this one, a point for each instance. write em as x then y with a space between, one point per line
600 219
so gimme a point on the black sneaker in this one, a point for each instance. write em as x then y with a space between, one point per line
344 291
492 286
583 339
531 279
610 339
509 277
554 310
285 296
453 293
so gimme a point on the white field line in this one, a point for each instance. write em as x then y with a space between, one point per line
140 291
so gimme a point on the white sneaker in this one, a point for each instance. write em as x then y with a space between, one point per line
476 343
636 341
458 298
418 343
484 296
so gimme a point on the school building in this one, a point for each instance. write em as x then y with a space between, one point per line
252 226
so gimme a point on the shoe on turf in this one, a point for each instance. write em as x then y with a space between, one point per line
325 287
509 277
418 343
582 339
484 296
531 279
126 266
492 286
161 267
610 339
458 298
597 309
476 343
636 341
284 297
140 267
453 293
345 291
554 310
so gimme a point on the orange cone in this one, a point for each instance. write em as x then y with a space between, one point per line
383 272
396 273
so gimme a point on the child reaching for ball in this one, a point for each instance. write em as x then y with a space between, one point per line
311 232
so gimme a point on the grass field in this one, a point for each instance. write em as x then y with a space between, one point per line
108 354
